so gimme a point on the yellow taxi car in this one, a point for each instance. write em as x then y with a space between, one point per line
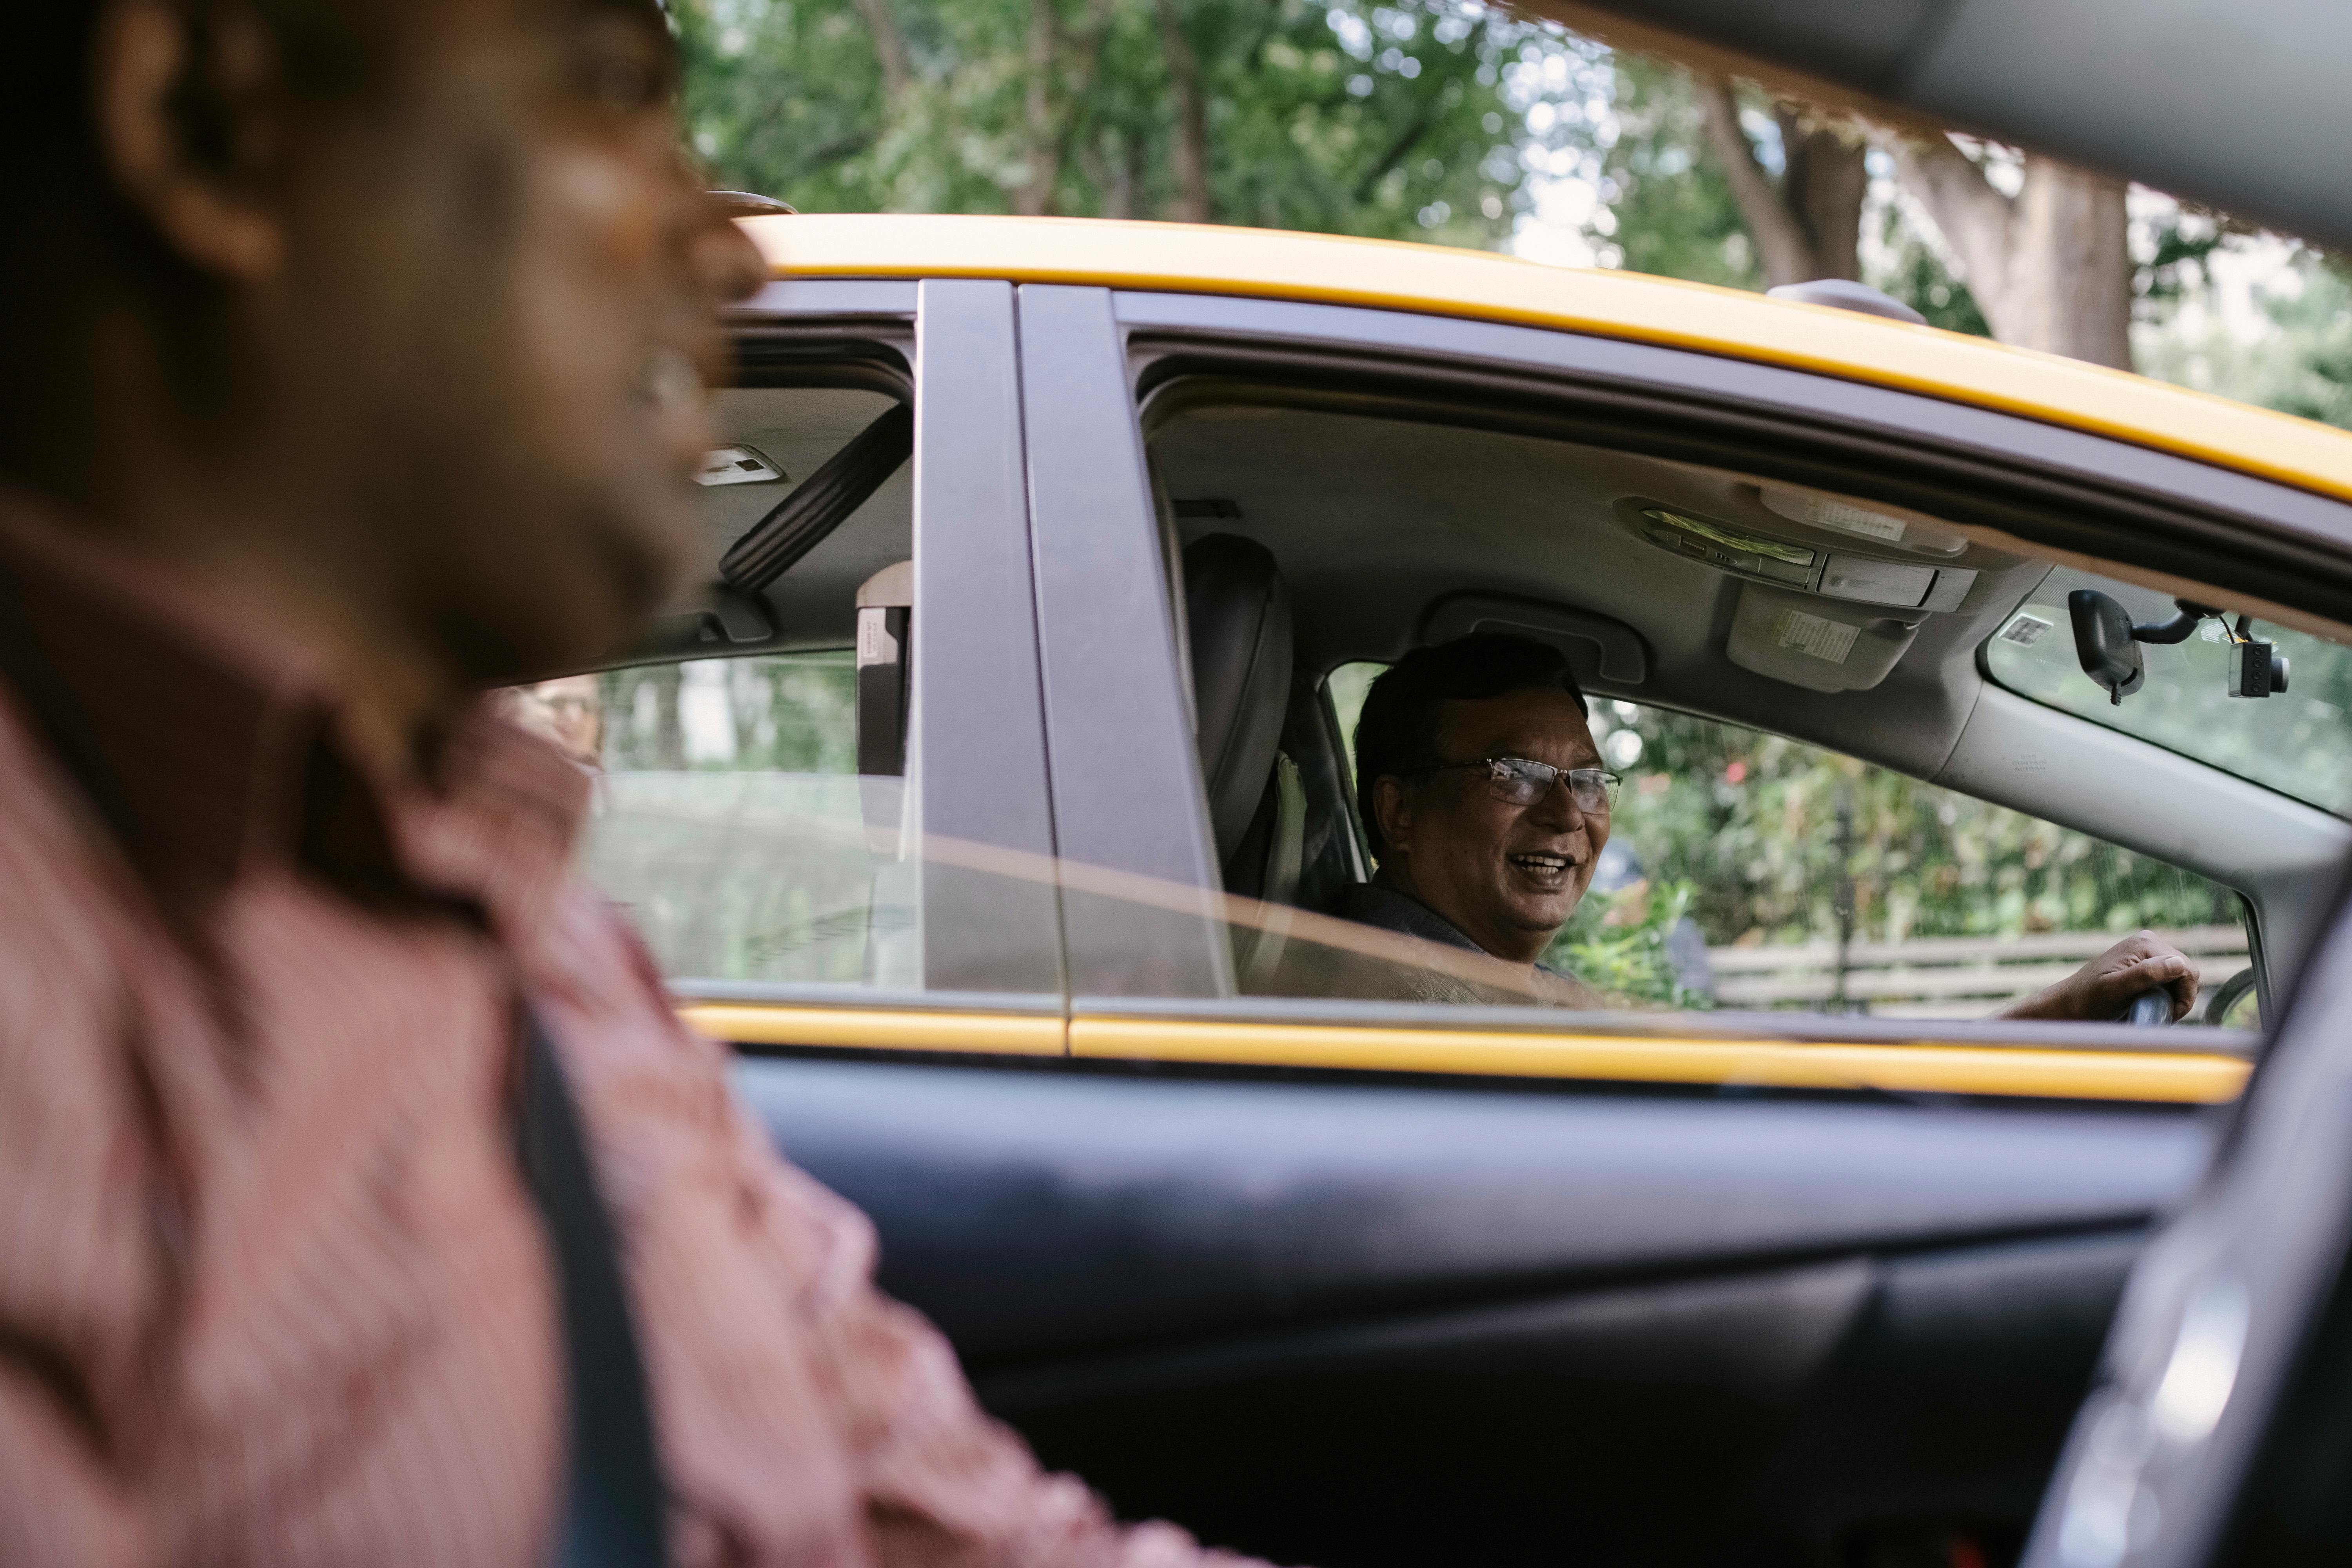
990 821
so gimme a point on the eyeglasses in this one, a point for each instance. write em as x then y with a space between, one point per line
1518 781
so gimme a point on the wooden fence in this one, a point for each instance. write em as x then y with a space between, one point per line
1940 977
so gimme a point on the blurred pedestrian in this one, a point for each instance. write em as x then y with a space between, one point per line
567 713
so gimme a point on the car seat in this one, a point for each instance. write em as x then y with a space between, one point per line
1237 619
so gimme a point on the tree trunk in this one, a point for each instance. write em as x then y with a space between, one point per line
2050 267
1110 161
1192 149
1822 186
1807 225
1973 216
1779 241
1051 119
2072 280
889 47
669 724
1035 196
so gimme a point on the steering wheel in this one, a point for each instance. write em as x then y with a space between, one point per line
2229 994
2151 1008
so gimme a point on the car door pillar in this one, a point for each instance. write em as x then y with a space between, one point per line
976 733
1140 886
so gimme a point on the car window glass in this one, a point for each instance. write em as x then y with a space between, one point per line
1749 870
2295 741
1743 871
733 824
754 807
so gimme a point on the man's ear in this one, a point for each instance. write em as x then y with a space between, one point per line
188 126
1393 808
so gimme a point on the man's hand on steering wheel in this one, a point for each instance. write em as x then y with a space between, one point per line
2101 990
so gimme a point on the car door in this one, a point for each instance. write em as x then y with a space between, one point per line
1357 1282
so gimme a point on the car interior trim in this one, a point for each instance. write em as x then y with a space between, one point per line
2050 77
871 299
871 354
1292 1312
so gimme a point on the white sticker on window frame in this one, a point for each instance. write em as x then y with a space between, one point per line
2025 630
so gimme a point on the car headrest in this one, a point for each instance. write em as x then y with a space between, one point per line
1237 610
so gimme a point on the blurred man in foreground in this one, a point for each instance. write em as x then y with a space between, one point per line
352 359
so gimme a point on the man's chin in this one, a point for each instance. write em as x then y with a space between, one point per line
1542 917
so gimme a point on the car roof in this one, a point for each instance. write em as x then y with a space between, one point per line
1485 285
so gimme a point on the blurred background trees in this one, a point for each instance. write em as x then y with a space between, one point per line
1446 121
1389 121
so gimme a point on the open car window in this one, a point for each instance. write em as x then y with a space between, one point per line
1825 808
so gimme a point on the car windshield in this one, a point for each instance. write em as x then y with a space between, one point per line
2296 742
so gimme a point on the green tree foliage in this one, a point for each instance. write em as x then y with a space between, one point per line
793 713
1768 831
1672 213
2316 380
1390 120
1672 210
1914 273
1617 943
2301 364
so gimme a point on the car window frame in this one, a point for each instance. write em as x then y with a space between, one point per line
993 947
1671 402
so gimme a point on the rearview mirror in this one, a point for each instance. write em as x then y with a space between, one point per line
2103 641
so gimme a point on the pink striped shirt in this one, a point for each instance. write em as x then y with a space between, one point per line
270 1288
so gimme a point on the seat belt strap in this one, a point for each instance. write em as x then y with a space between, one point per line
616 1511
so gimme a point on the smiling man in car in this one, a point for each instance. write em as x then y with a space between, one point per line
1487 805
352 361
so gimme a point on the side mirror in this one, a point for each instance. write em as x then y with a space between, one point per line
2103 641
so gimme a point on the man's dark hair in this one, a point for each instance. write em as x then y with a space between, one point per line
72 244
1397 731
325 48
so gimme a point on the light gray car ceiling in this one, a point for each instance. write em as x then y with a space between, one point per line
2239 103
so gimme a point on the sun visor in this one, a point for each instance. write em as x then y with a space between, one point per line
1817 643
1599 651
